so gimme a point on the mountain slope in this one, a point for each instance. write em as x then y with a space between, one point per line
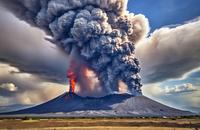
70 104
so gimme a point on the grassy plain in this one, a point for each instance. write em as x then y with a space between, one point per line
192 123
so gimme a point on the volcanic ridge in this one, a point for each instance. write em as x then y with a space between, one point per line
115 105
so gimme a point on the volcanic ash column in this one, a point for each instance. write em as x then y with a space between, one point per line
103 32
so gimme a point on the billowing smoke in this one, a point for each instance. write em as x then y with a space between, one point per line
102 33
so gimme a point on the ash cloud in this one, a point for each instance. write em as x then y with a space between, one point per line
102 32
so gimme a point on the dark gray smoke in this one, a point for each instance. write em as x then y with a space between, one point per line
102 32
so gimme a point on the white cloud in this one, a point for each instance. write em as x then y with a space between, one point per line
170 52
184 96
188 87
5 69
42 93
158 89
30 89
9 87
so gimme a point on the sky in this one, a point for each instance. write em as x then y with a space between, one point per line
165 12
179 89
169 57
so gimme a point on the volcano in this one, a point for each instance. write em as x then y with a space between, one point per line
115 105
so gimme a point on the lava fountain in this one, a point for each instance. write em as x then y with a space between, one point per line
71 75
72 80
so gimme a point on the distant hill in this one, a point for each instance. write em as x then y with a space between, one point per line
70 104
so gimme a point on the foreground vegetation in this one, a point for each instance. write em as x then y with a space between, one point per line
178 123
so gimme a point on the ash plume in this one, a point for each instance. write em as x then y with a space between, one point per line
102 32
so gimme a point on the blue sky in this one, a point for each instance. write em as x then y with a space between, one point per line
165 12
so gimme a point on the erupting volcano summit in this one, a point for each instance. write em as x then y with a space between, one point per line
99 38
102 33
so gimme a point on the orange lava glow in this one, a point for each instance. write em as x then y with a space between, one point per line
72 80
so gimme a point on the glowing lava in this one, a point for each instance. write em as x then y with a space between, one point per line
72 80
